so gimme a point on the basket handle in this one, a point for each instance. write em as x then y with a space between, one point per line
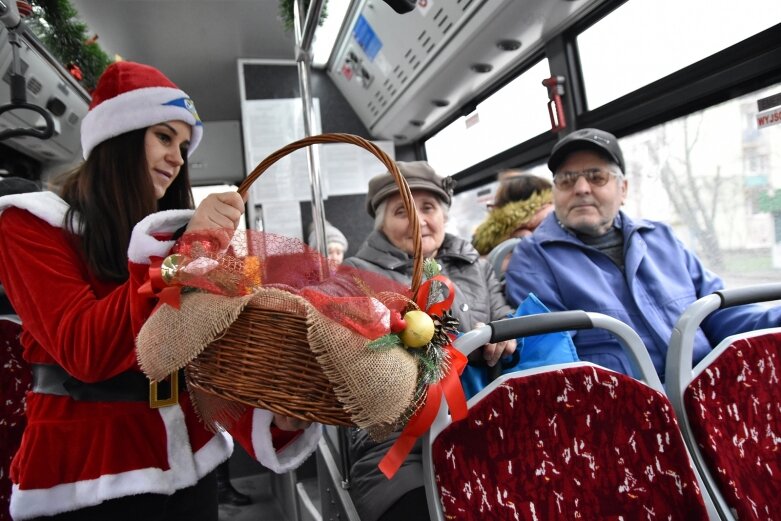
406 195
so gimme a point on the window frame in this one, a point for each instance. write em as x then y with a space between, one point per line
744 67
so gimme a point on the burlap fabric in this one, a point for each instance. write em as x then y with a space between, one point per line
274 350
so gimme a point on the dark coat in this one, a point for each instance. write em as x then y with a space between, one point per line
478 299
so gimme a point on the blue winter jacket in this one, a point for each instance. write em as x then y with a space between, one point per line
661 278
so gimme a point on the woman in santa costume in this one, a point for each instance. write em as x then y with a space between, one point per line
72 265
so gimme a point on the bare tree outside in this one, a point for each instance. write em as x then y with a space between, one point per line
695 198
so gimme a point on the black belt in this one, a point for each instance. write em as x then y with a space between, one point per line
130 386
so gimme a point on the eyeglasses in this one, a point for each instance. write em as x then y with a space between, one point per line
594 176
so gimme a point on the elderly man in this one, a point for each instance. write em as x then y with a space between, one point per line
589 255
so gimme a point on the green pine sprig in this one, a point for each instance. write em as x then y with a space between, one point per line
385 342
56 23
286 13
431 268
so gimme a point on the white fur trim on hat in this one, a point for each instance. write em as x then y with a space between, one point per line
136 109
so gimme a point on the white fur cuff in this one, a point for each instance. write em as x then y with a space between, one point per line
290 456
142 242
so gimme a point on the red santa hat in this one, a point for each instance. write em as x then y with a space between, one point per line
131 96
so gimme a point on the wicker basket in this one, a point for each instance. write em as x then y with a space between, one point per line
264 358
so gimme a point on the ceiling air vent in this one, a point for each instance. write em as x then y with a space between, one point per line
34 86
379 61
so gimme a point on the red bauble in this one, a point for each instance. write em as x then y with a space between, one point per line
75 71
25 9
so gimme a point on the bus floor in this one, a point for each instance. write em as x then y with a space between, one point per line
264 506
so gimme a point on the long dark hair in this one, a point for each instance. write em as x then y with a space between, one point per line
109 194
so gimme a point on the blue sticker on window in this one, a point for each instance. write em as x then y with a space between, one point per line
366 38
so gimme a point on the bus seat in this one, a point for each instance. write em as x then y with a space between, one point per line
565 441
16 382
729 407
497 255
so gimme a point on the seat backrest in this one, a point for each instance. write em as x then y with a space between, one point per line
566 441
15 382
735 381
497 255
17 376
579 442
734 410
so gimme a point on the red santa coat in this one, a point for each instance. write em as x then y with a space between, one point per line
77 454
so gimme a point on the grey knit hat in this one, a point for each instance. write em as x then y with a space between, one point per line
332 234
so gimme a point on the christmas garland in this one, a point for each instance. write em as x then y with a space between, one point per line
286 12
56 24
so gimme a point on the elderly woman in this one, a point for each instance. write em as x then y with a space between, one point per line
335 242
388 250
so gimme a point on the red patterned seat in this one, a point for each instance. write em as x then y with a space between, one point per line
734 410
579 442
13 386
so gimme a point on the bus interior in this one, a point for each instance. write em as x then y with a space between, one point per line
692 90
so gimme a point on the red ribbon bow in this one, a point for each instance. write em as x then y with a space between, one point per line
156 286
449 385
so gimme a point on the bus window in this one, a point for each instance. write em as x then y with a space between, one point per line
200 193
513 114
716 178
618 55
470 207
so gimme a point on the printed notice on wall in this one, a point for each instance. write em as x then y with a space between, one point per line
269 125
283 218
349 168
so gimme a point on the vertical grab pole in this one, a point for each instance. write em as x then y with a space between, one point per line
303 39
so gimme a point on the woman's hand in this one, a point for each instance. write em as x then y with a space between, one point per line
287 423
218 212
492 353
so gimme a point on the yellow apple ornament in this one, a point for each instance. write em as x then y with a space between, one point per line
419 330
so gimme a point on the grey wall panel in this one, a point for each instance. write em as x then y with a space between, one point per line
265 81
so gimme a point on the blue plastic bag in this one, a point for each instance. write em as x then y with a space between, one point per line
535 351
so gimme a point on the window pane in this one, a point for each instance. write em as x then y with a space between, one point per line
510 116
201 192
470 207
619 55
716 179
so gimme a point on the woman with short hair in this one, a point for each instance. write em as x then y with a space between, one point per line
478 299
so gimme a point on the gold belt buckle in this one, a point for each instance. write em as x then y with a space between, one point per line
157 403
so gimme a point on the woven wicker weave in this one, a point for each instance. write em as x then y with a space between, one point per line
264 359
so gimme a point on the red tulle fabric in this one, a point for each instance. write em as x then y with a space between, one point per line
255 259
